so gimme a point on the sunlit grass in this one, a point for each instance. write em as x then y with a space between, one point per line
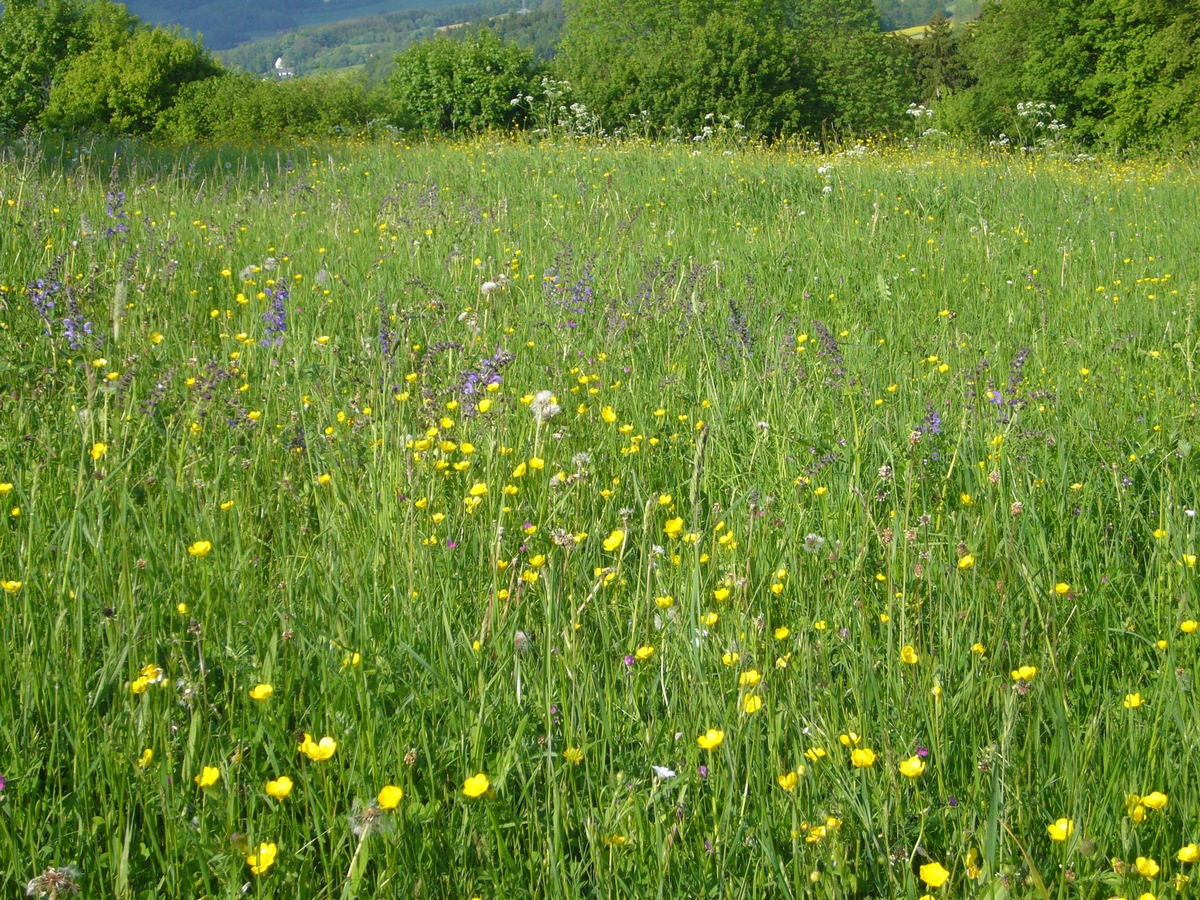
869 452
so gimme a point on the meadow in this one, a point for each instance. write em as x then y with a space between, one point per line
504 519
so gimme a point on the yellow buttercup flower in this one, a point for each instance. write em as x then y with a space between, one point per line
318 751
1025 673
390 797
1188 626
146 758
98 450
1155 800
476 785
11 587
1188 853
965 562
862 757
200 549
261 692
674 527
1146 867
909 655
573 755
912 767
789 781
208 776
262 858
280 787
751 703
644 652
749 678
934 874
711 739
1061 829
614 540
1133 701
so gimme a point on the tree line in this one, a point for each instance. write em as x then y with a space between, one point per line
1120 74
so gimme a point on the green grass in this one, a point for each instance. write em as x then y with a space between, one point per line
673 301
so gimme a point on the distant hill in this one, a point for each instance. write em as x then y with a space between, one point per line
372 42
227 23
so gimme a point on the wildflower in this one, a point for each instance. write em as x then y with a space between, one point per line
208 776
1155 800
1024 673
912 767
54 882
789 781
664 602
644 652
280 787
1189 853
812 754
749 678
751 703
262 858
934 874
978 649
261 692
98 450
573 755
146 758
5 487
1188 626
1062 589
711 739
909 655
966 561
200 549
1061 829
390 797
730 658
1133 701
324 479
615 539
11 587
862 757
674 527
663 772
476 785
1160 533
608 415
782 632
849 740
1189 559
318 751
1146 867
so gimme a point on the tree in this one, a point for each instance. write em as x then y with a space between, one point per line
777 65
448 85
940 65
128 77
35 38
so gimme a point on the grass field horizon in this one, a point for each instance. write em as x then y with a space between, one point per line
492 519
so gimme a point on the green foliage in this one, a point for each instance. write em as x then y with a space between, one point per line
127 80
777 67
1125 73
447 85
35 38
238 108
940 65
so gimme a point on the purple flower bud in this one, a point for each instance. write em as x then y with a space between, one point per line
703 771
